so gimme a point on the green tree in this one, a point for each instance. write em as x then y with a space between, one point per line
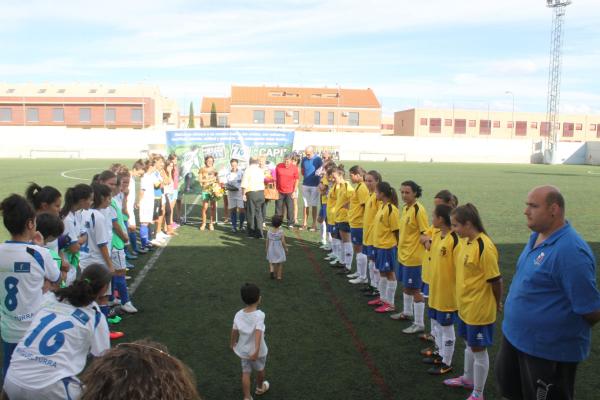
213 116
191 123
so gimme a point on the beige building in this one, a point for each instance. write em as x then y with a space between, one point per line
301 109
482 123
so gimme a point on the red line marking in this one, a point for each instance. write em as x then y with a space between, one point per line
358 343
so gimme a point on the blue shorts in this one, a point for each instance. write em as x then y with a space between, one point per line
335 232
343 226
444 318
425 289
386 259
411 277
330 228
323 211
475 335
356 235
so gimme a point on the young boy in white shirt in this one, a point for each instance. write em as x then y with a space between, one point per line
248 340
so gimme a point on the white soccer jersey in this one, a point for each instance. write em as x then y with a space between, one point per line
23 268
97 236
110 215
57 343
73 226
234 179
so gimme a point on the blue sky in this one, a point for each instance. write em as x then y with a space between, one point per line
423 54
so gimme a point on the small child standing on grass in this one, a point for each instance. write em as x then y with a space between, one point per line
248 340
276 247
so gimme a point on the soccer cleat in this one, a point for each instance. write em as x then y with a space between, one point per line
385 308
330 256
114 302
375 302
142 250
343 271
401 317
372 293
129 308
115 335
429 351
367 288
130 256
357 280
335 261
476 396
352 276
414 328
129 265
114 320
427 337
263 389
158 243
435 359
439 369
459 382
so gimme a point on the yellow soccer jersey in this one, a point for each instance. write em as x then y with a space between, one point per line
476 264
413 222
360 196
442 274
371 208
324 182
344 194
427 256
385 225
331 200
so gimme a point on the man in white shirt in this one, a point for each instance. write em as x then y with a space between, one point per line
253 193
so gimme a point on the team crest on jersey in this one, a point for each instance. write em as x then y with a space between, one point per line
539 259
22 267
80 316
443 251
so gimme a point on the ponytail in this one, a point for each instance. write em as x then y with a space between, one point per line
38 195
358 170
388 191
415 188
468 213
443 211
376 175
101 191
73 195
16 212
85 289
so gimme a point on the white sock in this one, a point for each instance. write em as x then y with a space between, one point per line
377 275
435 332
335 245
371 275
391 291
348 255
419 313
329 239
468 374
408 304
323 232
361 265
383 282
481 367
448 341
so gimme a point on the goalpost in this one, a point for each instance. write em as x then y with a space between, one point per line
381 156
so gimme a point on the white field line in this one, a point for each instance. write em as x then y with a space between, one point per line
64 174
152 261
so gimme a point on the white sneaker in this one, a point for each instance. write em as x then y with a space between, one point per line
335 261
330 256
357 280
414 328
162 235
114 302
352 276
158 242
129 308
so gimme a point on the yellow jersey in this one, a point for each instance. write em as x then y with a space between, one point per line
371 208
360 196
413 222
385 226
476 264
442 283
425 271
343 196
324 182
331 200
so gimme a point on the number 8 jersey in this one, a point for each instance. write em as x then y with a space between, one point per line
57 343
23 268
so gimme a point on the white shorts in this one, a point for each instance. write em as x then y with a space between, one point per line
235 203
311 196
118 259
147 211
67 388
258 365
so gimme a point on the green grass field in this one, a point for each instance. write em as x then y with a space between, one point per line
324 341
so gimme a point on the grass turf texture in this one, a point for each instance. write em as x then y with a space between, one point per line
324 341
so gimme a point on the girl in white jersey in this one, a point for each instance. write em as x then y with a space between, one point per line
54 350
24 267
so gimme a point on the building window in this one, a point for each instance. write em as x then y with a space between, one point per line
544 128
578 127
222 121
592 127
85 114
485 127
509 124
279 117
447 122
110 114
33 115
353 119
472 123
598 130
423 121
533 125
258 116
5 114
568 128
496 124
58 115
521 128
330 118
460 126
136 115
317 120
435 125
296 117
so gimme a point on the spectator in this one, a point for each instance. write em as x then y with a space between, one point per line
310 186
253 187
287 183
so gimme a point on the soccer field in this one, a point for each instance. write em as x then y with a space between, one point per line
324 341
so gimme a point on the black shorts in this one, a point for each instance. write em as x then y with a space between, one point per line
523 377
157 212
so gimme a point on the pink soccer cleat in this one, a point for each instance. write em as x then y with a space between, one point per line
459 382
375 302
385 307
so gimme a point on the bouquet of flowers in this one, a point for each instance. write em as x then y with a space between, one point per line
215 191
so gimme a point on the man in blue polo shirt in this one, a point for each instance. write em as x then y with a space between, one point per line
310 186
551 306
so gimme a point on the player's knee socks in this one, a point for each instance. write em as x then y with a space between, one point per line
348 255
435 332
391 291
407 308
329 239
335 245
323 232
383 282
419 313
105 309
361 265
133 240
376 275
120 283
448 343
468 364
144 235
481 367
233 217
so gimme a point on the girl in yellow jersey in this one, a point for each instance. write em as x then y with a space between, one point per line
334 256
372 178
478 296
385 241
442 290
413 224
322 218
344 193
356 214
